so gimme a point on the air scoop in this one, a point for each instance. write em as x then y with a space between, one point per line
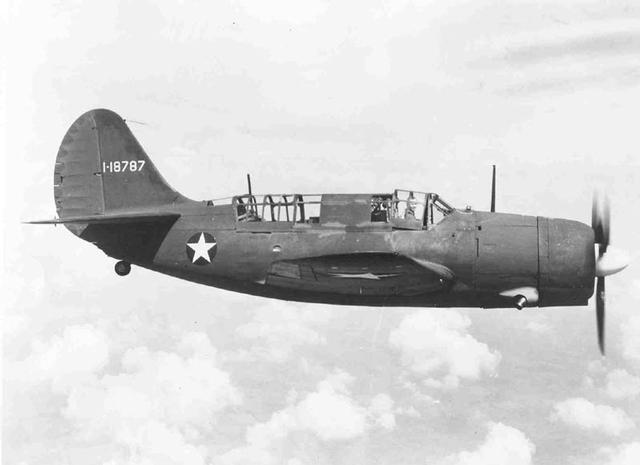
611 262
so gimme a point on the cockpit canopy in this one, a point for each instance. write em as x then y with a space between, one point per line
410 208
404 209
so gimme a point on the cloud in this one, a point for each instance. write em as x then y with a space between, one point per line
630 339
145 406
288 11
230 83
329 413
415 392
409 411
585 415
561 57
596 367
504 445
182 389
538 327
79 351
625 454
276 332
436 345
381 408
157 443
621 384
591 46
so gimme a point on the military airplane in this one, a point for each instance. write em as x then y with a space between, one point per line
398 248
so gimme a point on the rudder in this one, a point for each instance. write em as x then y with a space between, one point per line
101 168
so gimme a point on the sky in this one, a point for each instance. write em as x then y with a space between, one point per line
319 96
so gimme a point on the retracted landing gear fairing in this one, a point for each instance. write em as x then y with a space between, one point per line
389 248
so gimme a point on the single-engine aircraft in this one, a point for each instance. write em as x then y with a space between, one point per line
399 248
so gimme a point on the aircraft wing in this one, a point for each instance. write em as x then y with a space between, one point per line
361 274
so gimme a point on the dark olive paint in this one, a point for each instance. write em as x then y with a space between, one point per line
354 249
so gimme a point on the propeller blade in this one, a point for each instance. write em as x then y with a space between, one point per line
600 313
594 216
600 220
606 217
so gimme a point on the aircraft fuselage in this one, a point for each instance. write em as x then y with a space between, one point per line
404 248
486 253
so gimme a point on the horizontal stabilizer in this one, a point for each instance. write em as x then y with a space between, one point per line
111 218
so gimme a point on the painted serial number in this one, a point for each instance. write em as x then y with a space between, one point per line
122 166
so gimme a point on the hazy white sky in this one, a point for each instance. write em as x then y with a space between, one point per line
319 96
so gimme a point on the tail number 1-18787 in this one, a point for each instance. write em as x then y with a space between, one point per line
122 166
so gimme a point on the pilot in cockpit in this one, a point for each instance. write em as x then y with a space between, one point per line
410 212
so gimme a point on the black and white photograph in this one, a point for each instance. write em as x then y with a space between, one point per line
386 232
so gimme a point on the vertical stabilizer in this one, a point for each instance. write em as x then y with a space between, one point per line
101 168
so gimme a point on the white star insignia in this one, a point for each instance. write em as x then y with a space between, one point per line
201 248
363 275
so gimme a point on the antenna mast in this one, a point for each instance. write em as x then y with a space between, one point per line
493 190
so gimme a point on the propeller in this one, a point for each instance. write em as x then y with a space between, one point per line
600 218
600 221
605 264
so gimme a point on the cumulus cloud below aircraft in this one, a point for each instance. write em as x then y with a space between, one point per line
320 97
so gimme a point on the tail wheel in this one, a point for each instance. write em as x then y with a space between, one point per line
123 268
